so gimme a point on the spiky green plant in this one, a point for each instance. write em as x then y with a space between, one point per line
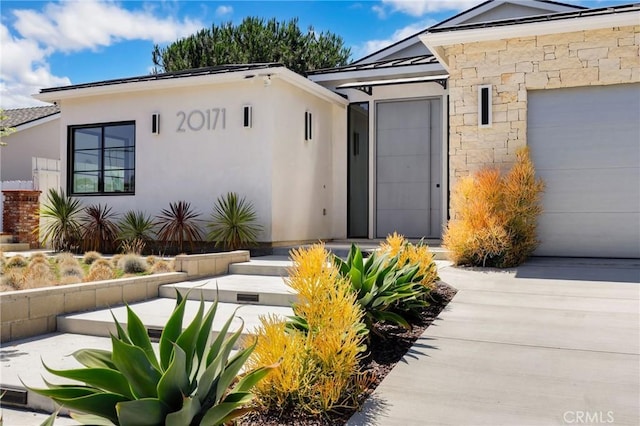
99 229
192 382
179 223
62 227
136 229
385 291
233 222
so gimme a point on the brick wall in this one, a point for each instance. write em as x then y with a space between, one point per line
514 66
21 215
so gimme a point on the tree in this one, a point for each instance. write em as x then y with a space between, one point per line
4 131
254 41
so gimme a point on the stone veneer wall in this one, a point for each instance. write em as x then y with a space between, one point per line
515 66
21 215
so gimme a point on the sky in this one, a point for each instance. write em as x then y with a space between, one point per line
56 43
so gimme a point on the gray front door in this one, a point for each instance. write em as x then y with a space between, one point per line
408 158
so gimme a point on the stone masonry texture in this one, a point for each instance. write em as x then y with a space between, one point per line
514 67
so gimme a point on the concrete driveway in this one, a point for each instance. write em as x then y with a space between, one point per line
553 342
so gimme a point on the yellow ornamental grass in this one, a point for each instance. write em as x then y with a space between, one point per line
495 216
412 254
319 366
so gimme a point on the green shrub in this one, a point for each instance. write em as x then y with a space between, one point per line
192 382
233 222
319 356
17 261
132 264
62 221
496 216
135 231
90 257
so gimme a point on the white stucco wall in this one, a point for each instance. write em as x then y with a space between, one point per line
35 141
260 163
303 180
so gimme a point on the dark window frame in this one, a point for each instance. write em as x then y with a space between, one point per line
71 154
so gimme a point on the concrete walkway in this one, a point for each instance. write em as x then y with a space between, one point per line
553 342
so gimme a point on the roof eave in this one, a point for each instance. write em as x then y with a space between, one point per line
436 40
37 121
377 73
230 77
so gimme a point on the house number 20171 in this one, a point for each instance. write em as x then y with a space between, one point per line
198 119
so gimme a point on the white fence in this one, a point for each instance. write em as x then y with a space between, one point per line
46 175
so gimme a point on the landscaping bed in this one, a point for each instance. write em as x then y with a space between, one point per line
383 353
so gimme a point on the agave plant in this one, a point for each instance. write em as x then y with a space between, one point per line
99 230
136 229
62 227
384 290
233 222
178 224
192 382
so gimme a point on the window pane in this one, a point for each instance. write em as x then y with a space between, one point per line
118 158
119 136
87 161
114 181
85 182
88 138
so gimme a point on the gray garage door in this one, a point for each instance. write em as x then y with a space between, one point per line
585 143
408 153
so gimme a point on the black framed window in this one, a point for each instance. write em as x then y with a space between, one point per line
102 159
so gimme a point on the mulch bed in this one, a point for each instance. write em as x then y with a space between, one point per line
384 353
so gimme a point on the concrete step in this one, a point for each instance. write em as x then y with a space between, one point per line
274 266
7 247
241 289
155 313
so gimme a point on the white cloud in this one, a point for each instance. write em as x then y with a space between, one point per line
371 46
421 7
223 11
68 27
380 11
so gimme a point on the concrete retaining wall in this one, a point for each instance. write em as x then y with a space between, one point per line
28 313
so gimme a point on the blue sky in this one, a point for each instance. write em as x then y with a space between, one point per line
54 43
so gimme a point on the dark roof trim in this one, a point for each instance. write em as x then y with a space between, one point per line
541 18
464 12
385 63
223 69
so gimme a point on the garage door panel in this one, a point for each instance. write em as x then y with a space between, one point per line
585 148
593 105
403 196
585 144
414 142
406 169
410 223
590 235
590 191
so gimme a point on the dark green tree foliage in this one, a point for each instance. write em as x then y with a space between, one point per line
254 41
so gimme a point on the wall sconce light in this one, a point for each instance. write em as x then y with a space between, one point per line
155 124
267 80
247 116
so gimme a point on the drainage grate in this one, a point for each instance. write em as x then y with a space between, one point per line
248 297
154 334
13 396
